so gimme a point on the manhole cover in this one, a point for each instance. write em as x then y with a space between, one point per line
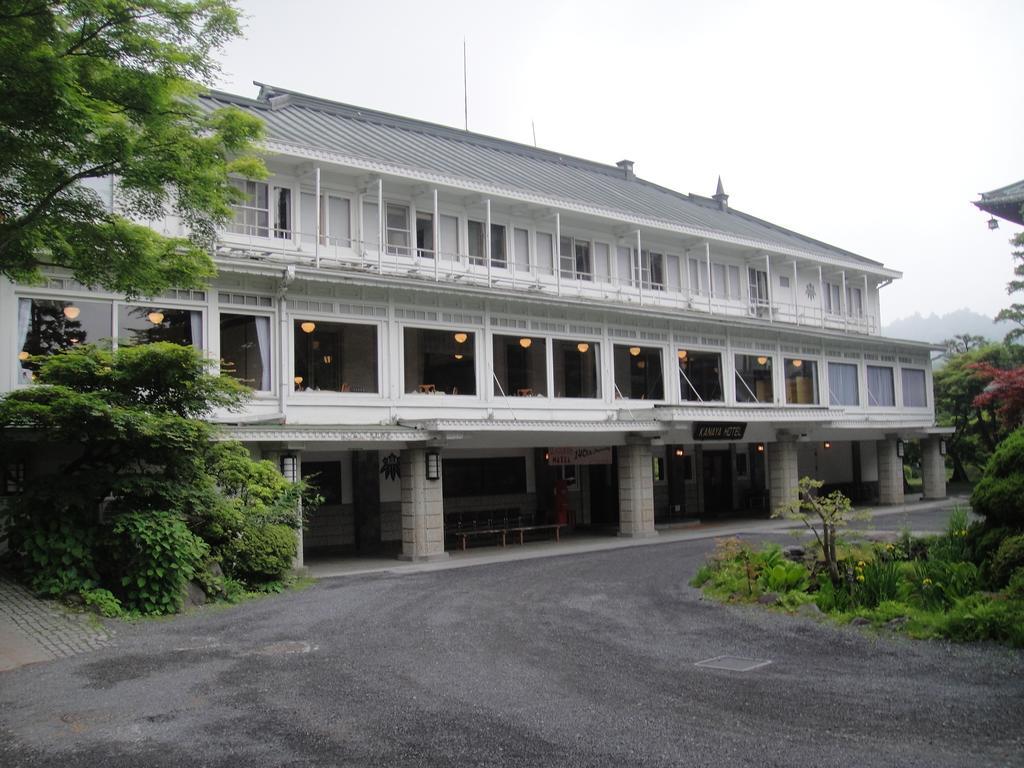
733 663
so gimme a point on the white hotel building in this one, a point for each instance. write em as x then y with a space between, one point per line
553 339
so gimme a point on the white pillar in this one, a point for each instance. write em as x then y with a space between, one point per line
890 472
933 469
422 509
636 491
289 463
783 476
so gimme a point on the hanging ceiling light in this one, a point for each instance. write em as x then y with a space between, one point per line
762 360
634 351
682 354
298 380
797 363
525 342
71 311
993 223
308 327
583 347
328 359
23 355
680 452
458 356
155 317
460 337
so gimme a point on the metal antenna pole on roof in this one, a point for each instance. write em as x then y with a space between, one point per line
465 84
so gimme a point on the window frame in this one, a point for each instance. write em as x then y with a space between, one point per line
721 374
295 319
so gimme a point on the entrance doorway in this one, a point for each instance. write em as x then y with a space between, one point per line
716 469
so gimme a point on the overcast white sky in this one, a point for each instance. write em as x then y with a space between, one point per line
869 125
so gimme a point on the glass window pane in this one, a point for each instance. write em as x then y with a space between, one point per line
843 388
700 376
718 282
371 226
754 379
335 357
449 237
339 222
582 261
282 212
734 282
915 393
145 324
545 253
46 327
245 349
425 234
397 226
574 365
638 373
476 242
498 254
522 250
520 366
881 387
440 361
801 381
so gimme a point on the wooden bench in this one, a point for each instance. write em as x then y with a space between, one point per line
463 535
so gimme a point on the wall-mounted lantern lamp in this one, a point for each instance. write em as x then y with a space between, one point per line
828 444
993 223
290 467
942 447
899 448
680 452
433 465
760 447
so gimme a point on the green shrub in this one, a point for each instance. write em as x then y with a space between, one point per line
56 553
1007 559
934 585
979 617
982 541
261 553
999 495
784 576
830 598
952 546
103 602
1015 589
154 555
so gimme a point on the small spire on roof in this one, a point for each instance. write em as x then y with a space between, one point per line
720 197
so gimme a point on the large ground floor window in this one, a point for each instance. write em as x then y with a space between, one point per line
700 376
144 324
46 327
575 368
440 361
801 382
881 386
520 366
842 384
497 476
335 357
754 379
245 349
638 373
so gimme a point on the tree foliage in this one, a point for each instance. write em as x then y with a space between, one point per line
137 491
999 495
106 89
1015 312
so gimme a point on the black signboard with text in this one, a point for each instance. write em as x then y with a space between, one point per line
719 430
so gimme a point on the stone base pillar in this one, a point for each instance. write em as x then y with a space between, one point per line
636 491
933 469
783 475
422 510
890 472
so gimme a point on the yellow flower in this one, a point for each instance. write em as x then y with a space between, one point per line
861 564
926 582
860 577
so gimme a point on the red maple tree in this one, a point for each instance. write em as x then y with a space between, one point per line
1005 392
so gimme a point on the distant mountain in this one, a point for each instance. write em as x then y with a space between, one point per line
937 328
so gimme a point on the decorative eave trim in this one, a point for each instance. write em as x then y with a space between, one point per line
376 166
533 425
320 434
676 413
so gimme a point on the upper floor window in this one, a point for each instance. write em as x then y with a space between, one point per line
833 300
698 277
758 286
575 260
700 376
574 365
425 234
264 208
477 246
881 389
843 388
521 249
545 253
145 324
520 366
335 214
335 357
245 349
854 301
801 381
47 326
754 379
725 281
440 361
396 226
638 374
649 270
915 390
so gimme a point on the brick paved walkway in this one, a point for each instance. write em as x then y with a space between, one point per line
35 630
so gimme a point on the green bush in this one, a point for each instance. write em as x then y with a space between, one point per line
983 540
1015 589
981 618
934 585
261 553
830 598
999 495
783 577
55 552
1007 559
103 602
952 546
152 556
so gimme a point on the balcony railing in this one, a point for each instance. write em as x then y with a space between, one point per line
402 259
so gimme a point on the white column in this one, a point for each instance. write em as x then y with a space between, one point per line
783 476
289 463
636 491
890 472
422 509
933 469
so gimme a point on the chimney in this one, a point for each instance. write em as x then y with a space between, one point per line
627 168
720 197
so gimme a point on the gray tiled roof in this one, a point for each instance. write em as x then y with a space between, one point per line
298 119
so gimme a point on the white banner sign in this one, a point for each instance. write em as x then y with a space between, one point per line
560 457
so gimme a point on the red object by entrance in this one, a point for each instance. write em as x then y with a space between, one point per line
561 507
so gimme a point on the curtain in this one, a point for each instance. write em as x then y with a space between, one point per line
521 244
880 387
24 323
842 384
195 319
263 342
449 245
914 395
545 253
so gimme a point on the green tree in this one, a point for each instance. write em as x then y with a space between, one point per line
1015 312
98 89
136 491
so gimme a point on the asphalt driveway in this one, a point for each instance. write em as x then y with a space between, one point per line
579 660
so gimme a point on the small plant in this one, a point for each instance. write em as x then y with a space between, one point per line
785 576
103 602
877 580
